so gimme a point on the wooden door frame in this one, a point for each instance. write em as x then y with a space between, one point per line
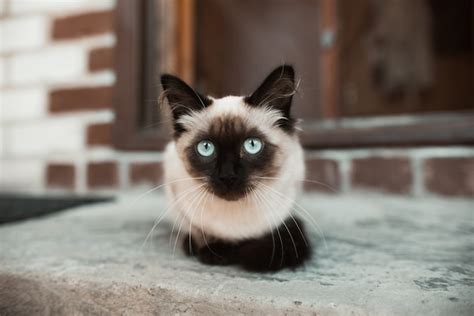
174 32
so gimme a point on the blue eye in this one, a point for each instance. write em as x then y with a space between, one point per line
253 145
205 148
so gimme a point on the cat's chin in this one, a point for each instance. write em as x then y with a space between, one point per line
229 195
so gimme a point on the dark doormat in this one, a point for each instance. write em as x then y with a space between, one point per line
15 207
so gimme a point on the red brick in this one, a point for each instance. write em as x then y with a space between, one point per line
325 171
60 176
99 134
78 99
86 24
145 172
101 58
102 175
449 176
392 175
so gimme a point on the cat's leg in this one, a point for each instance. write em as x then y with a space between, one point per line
189 245
218 252
289 247
210 250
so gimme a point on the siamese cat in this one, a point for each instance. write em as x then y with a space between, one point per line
234 170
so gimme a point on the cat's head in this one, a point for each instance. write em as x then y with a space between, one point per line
232 143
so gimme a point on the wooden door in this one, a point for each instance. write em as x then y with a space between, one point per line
238 42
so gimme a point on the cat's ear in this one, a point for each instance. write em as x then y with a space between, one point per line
182 99
276 92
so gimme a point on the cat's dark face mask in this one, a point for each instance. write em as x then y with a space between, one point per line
229 155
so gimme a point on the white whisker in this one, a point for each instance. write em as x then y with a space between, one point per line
180 217
202 230
162 216
198 206
271 231
318 229
294 220
160 186
304 180
197 196
248 194
292 217
275 223
286 227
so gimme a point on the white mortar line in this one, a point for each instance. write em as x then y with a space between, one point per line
87 7
425 152
389 120
88 43
105 78
147 156
96 154
416 165
123 175
81 176
345 174
87 117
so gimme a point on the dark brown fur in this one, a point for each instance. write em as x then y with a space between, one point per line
287 246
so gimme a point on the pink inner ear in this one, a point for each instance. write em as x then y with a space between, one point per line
182 98
276 90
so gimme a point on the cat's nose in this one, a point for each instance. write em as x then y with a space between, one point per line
228 174
228 180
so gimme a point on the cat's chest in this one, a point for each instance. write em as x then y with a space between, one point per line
234 220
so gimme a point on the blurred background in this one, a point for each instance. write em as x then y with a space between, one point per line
386 88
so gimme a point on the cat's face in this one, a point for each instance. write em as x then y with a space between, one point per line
229 147
232 143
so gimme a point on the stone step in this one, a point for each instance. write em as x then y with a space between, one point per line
379 256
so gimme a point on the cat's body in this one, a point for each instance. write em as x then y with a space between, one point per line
236 205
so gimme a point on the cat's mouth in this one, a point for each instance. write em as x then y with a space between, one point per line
230 191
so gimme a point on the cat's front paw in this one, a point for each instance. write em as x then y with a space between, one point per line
291 250
215 254
189 246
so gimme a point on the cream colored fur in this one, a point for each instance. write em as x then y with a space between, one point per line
249 217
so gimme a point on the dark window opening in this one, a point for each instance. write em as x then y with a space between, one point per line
373 73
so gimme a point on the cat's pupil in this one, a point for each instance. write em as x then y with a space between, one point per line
205 148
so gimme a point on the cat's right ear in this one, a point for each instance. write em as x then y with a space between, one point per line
276 92
182 99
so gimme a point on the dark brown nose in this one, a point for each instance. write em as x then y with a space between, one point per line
227 172
228 180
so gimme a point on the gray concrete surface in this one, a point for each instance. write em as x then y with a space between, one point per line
384 256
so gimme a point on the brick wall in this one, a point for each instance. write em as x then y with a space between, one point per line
445 171
56 80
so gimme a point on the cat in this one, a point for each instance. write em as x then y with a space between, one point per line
234 169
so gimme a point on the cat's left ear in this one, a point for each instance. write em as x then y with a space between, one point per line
182 99
276 92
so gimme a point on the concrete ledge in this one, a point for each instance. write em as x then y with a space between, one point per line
384 255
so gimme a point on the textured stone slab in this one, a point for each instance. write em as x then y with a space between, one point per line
392 256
